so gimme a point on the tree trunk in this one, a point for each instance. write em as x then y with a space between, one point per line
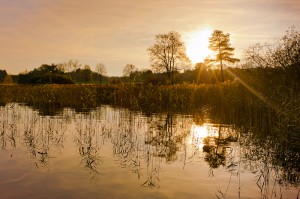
100 79
221 63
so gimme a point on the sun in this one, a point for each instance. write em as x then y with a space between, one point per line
197 43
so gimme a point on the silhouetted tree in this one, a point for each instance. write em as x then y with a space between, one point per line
45 74
72 65
87 73
70 68
129 71
168 54
219 43
283 53
45 69
201 73
101 70
287 53
8 80
3 74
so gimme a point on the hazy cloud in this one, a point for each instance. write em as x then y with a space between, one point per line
116 32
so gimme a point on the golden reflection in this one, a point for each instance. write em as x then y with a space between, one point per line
199 131
200 134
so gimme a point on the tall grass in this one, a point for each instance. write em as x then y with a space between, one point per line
229 102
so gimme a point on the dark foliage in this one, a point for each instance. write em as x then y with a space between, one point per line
43 79
3 74
46 74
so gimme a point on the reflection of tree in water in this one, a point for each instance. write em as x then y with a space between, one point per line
274 163
141 144
216 146
216 142
164 139
141 153
48 109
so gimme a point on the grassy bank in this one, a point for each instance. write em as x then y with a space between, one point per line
179 98
229 102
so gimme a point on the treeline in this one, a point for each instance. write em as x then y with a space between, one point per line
53 74
3 74
277 62
277 85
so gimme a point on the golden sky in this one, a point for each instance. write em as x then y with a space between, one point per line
118 32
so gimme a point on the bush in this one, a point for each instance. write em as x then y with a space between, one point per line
43 79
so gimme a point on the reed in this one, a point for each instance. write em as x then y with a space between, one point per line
230 102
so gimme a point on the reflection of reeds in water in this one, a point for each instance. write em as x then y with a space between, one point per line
88 144
239 150
164 142
39 135
274 163
230 102
214 141
141 144
8 129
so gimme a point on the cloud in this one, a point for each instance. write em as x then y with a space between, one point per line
116 32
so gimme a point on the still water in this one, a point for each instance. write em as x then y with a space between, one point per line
115 153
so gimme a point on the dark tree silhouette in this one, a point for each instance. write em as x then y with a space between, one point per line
3 74
219 43
101 70
168 54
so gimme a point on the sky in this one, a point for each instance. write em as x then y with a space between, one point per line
119 32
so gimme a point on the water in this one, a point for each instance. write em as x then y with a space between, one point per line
115 153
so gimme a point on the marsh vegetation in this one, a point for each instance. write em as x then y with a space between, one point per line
210 132
142 154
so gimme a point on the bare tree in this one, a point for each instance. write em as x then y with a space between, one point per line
258 56
72 65
128 70
168 54
101 70
287 53
61 67
219 42
282 53
69 67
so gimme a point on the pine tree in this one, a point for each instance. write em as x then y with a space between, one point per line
219 43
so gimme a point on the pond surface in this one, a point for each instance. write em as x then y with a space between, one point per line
115 153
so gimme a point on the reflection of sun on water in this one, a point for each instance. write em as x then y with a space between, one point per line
200 133
197 45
